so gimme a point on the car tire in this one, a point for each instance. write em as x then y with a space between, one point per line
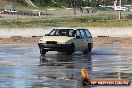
71 49
85 51
42 52
89 47
69 53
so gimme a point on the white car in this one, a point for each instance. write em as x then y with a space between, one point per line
66 40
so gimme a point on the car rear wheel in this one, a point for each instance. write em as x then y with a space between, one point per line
85 51
89 47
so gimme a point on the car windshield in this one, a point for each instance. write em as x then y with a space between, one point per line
62 32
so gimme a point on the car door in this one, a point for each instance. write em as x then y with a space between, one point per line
88 36
79 40
84 39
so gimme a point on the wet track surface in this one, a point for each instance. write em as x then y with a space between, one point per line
20 66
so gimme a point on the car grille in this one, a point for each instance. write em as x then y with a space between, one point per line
51 42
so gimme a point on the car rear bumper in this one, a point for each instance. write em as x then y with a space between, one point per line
54 47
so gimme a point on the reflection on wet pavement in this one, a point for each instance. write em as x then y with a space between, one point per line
21 67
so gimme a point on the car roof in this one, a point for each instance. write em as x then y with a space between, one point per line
82 29
71 28
64 28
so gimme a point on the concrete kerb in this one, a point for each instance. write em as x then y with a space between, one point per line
39 32
112 31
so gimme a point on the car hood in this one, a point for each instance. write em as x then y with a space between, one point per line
61 39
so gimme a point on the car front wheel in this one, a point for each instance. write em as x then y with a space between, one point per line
42 51
71 49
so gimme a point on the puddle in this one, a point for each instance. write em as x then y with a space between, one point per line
20 66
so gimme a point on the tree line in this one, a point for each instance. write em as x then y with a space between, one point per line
72 3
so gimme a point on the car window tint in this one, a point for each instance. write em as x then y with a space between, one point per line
82 33
85 34
57 32
78 33
88 33
65 32
62 32
53 32
72 33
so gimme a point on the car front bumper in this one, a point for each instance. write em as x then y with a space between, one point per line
54 47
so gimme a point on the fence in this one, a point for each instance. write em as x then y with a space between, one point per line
23 13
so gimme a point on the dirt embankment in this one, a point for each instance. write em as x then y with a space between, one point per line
18 41
120 41
98 41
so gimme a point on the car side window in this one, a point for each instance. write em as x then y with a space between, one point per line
82 33
78 34
88 34
72 33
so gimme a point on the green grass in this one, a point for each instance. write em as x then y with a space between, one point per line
67 22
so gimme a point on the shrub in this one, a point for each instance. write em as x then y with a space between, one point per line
129 16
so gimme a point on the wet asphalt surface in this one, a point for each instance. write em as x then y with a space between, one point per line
20 66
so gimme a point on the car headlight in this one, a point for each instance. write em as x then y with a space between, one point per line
42 41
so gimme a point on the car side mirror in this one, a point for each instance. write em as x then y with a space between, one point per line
78 37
